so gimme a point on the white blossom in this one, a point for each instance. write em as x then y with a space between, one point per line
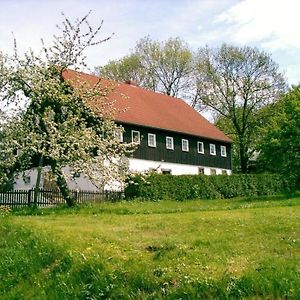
62 123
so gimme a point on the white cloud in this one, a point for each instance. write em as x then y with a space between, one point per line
275 24
272 25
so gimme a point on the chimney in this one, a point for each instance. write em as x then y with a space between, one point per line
131 82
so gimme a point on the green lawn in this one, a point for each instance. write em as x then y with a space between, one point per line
136 250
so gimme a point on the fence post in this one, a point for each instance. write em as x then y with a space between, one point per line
29 197
76 195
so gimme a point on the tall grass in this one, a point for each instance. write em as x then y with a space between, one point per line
163 250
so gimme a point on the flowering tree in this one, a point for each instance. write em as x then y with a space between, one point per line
58 122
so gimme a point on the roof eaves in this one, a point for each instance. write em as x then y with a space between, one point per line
175 131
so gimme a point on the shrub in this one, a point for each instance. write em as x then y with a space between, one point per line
157 186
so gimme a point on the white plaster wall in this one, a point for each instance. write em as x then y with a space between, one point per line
142 165
80 183
135 165
20 184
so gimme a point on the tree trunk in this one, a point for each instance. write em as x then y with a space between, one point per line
62 184
38 181
243 159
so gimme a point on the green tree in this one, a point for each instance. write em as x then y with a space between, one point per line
166 67
59 122
236 82
280 146
254 136
128 68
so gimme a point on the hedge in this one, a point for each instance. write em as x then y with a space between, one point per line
157 186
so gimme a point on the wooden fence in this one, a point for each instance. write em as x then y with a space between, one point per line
23 198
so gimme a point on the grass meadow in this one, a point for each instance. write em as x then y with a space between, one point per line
215 249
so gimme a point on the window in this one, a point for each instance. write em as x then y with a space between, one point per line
76 175
212 149
169 143
185 145
119 135
135 136
200 170
213 172
200 147
166 171
223 151
27 180
151 140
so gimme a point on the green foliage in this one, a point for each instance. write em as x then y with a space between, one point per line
235 82
280 146
257 124
125 69
156 186
165 67
6 180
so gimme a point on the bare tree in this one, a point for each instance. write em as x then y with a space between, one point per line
235 83
166 67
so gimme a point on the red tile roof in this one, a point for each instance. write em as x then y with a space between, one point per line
151 109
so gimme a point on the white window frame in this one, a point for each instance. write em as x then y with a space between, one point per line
119 135
185 142
171 142
166 171
223 151
201 170
202 147
212 149
138 135
150 144
213 171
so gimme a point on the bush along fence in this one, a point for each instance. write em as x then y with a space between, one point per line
23 198
156 187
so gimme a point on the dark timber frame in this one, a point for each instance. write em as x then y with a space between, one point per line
191 157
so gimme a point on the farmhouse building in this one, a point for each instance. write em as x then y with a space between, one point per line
173 137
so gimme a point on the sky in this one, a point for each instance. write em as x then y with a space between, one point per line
271 25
